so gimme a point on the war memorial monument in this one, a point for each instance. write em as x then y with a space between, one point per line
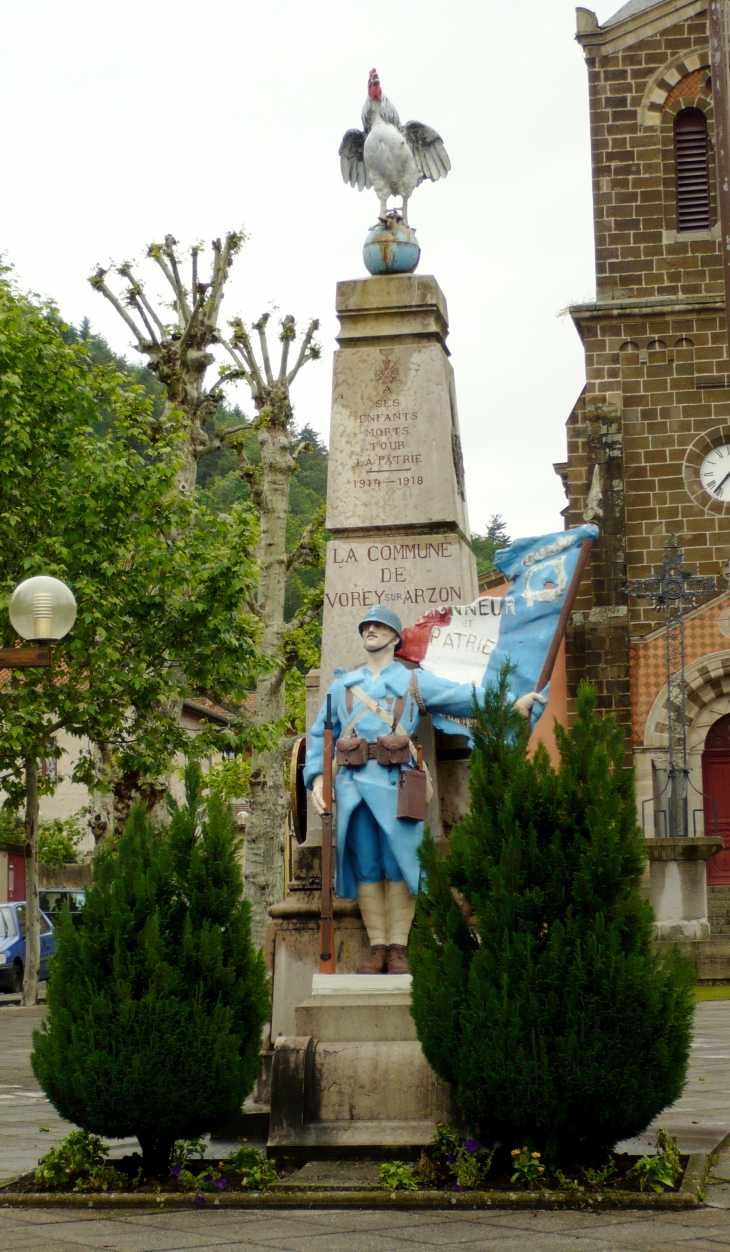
344 1068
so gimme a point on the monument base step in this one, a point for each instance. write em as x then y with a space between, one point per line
354 1075
710 957
348 1141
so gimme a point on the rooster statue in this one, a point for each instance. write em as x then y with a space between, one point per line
388 157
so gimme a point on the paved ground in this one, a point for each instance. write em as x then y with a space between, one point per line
700 1118
707 1230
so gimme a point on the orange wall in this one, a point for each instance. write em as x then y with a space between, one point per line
557 705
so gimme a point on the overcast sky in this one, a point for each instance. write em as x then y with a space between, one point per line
125 119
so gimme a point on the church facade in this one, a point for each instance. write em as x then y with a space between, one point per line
651 429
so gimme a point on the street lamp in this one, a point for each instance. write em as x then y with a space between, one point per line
41 610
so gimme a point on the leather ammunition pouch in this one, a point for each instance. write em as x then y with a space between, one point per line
412 786
352 751
392 750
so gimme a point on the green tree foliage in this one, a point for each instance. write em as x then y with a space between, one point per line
157 1002
548 1009
485 546
58 840
162 584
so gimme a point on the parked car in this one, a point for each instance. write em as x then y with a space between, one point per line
12 945
52 900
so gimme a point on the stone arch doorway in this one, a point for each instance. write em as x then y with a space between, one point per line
716 786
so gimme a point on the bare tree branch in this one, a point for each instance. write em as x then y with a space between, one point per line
182 295
288 335
132 298
241 340
98 283
304 351
260 326
126 272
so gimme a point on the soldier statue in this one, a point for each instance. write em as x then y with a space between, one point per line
375 712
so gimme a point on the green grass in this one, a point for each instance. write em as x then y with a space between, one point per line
721 992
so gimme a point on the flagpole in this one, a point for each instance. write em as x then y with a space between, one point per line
565 612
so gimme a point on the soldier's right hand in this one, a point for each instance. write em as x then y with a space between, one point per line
317 794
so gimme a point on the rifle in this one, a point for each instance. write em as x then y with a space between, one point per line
327 921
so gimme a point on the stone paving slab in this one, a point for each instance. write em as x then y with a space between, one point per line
705 1230
717 1188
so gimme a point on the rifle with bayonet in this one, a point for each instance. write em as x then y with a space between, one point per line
327 921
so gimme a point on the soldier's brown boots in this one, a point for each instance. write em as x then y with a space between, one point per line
377 962
398 959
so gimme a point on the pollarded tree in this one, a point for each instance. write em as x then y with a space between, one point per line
548 1008
156 1004
179 355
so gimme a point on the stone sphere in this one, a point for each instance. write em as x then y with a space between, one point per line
391 249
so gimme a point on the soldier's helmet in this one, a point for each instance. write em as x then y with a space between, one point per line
386 617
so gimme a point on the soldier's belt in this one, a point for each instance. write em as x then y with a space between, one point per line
388 750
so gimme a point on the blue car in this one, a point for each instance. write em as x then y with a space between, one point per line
12 945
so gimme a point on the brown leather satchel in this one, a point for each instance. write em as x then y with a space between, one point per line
352 751
392 750
412 795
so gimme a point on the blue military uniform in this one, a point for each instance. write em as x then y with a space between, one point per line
372 842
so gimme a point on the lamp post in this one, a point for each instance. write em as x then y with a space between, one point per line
42 610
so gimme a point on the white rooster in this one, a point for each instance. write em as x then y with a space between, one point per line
391 158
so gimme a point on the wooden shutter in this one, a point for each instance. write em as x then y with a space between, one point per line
692 170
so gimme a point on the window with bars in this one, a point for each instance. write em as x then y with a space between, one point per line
692 170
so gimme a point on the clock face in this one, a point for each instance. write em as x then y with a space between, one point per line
715 473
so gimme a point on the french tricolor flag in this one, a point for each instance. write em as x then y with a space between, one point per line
469 643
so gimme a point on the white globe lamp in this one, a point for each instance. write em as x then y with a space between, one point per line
42 609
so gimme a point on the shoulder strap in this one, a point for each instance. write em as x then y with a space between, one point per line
416 694
385 717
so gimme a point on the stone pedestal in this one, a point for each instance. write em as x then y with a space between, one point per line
678 886
294 958
353 1076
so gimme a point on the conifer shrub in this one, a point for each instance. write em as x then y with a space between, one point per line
156 1004
535 987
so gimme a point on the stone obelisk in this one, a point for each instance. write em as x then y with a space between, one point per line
396 506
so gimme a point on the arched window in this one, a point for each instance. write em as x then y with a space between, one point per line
692 170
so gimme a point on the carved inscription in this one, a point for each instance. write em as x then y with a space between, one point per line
386 453
391 574
410 575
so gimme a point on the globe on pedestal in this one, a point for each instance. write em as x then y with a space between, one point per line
391 248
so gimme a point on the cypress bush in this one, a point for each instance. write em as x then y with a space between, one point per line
547 1008
157 1002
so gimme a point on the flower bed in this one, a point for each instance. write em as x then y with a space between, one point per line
452 1163
451 1172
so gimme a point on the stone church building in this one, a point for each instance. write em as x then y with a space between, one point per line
654 415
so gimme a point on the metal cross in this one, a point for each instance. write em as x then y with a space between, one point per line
676 590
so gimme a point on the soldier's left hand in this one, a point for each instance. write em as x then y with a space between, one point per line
525 703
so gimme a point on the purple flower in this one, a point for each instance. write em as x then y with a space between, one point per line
175 1171
458 1186
220 1184
451 1157
496 1145
190 1152
207 1177
471 1146
199 1199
